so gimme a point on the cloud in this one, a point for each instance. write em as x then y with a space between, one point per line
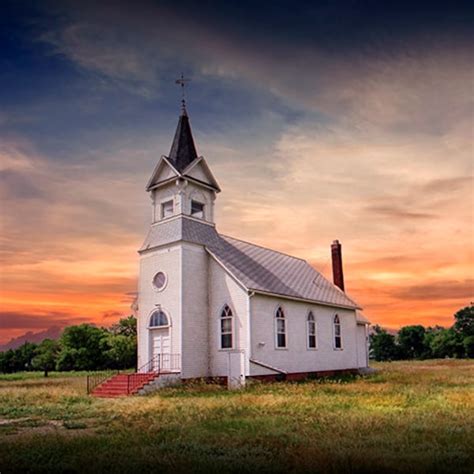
448 185
413 81
363 137
105 51
397 212
115 315
441 290
18 320
17 185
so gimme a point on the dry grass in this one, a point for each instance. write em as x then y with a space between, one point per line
409 417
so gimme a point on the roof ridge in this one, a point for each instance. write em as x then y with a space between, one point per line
265 248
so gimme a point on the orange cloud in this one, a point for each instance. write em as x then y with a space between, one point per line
387 172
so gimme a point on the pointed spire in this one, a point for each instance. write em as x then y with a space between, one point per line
183 151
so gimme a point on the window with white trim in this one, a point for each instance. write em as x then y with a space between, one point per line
337 333
226 326
167 209
280 328
159 319
159 281
311 330
197 209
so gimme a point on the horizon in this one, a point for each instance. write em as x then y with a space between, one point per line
323 121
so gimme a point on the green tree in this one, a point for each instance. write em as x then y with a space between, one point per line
67 359
411 342
468 344
121 351
125 327
9 362
382 345
82 348
446 343
430 334
46 355
16 360
464 321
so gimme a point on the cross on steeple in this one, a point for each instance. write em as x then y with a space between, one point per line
182 81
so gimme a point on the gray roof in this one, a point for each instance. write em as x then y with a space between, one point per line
181 228
361 318
183 151
257 268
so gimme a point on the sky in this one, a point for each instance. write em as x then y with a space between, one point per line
320 120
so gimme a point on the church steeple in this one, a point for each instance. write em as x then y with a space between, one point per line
182 183
183 151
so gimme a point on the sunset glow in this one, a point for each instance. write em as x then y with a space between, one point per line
310 138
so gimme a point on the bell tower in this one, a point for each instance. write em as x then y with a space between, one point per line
182 183
173 282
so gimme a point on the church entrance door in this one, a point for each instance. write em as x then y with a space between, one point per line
160 348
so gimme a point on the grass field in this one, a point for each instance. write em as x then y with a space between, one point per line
408 417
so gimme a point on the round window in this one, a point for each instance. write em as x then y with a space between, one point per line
159 280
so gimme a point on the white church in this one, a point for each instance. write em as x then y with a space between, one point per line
213 306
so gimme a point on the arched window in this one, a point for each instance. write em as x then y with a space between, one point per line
337 333
159 319
226 328
280 328
311 324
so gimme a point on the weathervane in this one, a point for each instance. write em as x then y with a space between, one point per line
182 81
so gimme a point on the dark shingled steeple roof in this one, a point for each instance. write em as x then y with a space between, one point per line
183 152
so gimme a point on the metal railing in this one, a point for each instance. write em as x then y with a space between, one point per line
141 376
160 363
95 380
164 363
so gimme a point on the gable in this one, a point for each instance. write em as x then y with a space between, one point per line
163 171
200 171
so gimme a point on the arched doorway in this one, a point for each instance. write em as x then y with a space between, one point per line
160 341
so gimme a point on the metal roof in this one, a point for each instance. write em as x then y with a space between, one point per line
183 151
257 268
179 228
361 318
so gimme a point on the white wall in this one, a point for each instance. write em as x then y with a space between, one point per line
163 194
181 195
296 357
167 260
225 290
362 346
195 353
200 194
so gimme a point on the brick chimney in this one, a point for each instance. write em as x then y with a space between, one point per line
337 274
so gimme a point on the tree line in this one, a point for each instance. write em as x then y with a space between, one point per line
87 347
81 347
418 342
